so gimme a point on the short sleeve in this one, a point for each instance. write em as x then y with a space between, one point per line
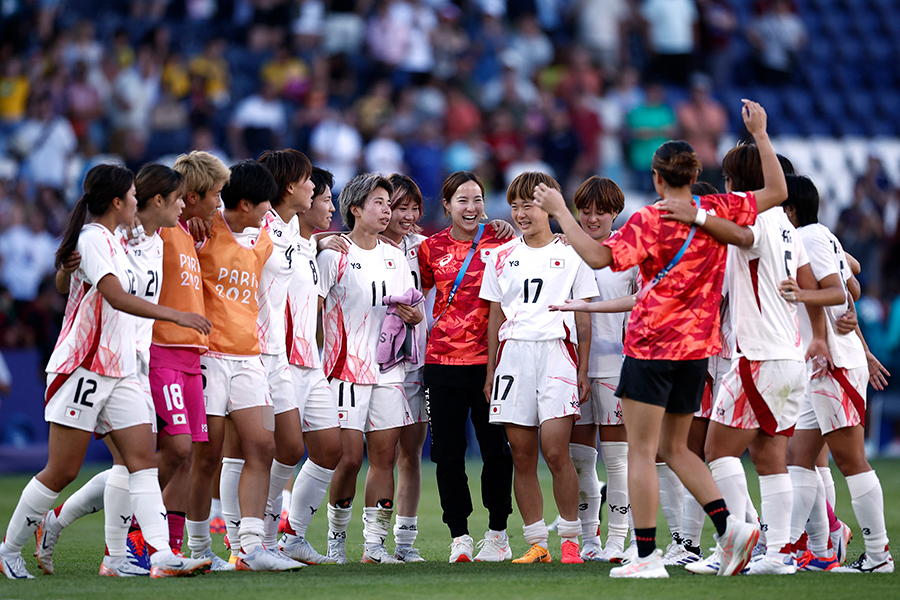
425 272
490 284
802 256
97 257
628 244
584 286
329 270
739 207
820 255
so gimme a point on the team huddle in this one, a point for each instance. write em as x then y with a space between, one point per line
709 324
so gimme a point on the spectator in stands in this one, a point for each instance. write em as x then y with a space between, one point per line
134 94
603 29
510 90
649 125
287 74
529 48
504 140
83 47
27 253
671 31
450 42
85 106
423 155
344 26
559 143
861 230
718 24
212 67
777 34
45 142
703 121
259 124
337 146
383 153
462 117
375 108
14 90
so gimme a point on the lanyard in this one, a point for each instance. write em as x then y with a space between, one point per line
675 259
462 270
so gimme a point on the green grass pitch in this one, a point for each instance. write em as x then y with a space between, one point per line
80 551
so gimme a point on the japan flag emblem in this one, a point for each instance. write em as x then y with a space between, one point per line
73 413
495 409
389 263
557 263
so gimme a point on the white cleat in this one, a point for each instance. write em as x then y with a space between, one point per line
621 557
593 551
648 567
554 525
864 565
262 559
173 565
113 566
377 554
763 565
677 554
13 565
216 563
493 549
406 553
45 538
461 549
707 566
737 543
337 551
301 550
840 539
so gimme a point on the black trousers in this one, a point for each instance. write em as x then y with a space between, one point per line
454 393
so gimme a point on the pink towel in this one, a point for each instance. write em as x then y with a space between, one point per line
397 343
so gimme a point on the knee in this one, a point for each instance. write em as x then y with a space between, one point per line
407 461
262 450
175 454
557 458
850 463
351 460
289 453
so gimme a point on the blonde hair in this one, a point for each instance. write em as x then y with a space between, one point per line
202 171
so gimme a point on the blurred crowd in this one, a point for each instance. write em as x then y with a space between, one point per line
423 87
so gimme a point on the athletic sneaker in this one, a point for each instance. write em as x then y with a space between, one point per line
764 565
283 521
592 551
840 540
45 538
759 549
377 554
178 566
737 543
262 559
811 562
535 554
554 526
216 563
217 525
623 556
301 550
461 549
677 554
493 548
136 550
121 567
406 553
337 552
707 566
13 565
648 567
570 553
864 565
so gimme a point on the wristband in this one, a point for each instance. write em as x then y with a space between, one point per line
700 219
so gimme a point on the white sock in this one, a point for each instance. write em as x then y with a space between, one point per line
338 519
777 499
376 524
671 499
692 521
805 483
279 475
231 504
215 509
828 480
285 499
867 499
569 530
732 482
148 507
199 540
615 457
309 490
117 510
585 460
537 533
35 501
817 527
252 532
87 500
406 529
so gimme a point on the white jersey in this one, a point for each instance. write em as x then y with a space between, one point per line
145 259
274 282
353 285
608 329
410 247
302 307
526 280
94 335
826 257
726 334
765 324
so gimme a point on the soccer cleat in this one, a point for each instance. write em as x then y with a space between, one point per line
554 525
13 565
764 565
301 550
623 556
707 566
283 521
840 540
811 562
136 550
45 538
216 563
493 548
178 566
262 559
535 554
759 549
570 553
461 549
217 525
406 553
648 567
737 543
677 554
377 554
337 552
592 551
113 566
226 541
864 565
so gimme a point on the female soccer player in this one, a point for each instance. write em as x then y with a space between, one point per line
92 380
672 331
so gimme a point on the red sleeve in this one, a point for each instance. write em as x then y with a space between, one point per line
630 244
427 275
739 207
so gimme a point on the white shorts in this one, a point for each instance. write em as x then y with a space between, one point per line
829 406
318 408
90 402
371 407
414 387
604 408
233 384
715 372
281 384
762 394
534 382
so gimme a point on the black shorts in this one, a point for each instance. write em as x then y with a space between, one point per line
676 385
